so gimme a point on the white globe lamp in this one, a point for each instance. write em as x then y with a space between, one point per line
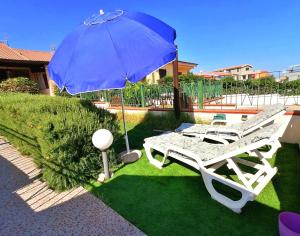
103 139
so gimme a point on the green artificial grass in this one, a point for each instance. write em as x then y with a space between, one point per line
174 200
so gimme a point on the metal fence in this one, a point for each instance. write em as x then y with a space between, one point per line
141 95
243 94
136 96
204 94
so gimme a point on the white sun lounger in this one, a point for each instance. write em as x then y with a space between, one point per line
208 158
233 131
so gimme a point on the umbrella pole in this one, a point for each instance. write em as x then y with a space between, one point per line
124 123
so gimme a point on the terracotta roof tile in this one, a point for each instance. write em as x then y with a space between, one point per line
187 63
14 54
34 55
8 53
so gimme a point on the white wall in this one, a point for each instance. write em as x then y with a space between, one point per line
291 129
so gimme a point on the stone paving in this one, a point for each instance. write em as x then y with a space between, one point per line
29 207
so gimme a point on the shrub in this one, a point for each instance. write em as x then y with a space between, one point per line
228 79
167 80
188 78
19 84
63 93
57 133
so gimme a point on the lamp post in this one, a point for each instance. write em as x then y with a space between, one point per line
102 139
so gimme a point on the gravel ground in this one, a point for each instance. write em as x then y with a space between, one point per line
28 207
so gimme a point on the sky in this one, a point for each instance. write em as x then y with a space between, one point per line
213 34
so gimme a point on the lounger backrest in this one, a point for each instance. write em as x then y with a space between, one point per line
265 114
264 133
207 151
193 128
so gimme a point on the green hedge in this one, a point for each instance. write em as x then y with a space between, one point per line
20 85
57 133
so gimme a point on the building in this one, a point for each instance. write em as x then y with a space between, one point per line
292 73
215 75
183 69
239 72
33 64
26 63
242 72
258 74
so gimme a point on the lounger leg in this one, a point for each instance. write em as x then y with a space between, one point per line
151 159
235 206
274 147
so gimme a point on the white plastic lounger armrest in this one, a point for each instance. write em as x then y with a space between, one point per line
219 121
224 130
224 121
215 138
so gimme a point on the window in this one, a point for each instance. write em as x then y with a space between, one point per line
162 73
247 68
18 73
3 75
13 73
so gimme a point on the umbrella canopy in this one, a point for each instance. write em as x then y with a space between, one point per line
109 49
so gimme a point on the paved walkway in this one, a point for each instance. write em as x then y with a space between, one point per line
28 207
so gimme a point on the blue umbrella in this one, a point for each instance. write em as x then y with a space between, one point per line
109 49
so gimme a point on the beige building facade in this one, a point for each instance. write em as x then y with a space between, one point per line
243 72
240 72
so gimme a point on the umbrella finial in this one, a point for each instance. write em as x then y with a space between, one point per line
101 12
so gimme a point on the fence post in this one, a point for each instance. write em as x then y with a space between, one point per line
142 96
105 96
221 89
200 94
209 89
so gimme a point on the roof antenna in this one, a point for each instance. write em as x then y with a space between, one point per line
52 48
5 39
101 12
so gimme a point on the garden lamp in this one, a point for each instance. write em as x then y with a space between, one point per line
102 139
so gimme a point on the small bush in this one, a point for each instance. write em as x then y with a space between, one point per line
63 93
19 84
57 133
188 78
167 80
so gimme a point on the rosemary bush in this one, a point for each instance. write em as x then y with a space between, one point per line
57 133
